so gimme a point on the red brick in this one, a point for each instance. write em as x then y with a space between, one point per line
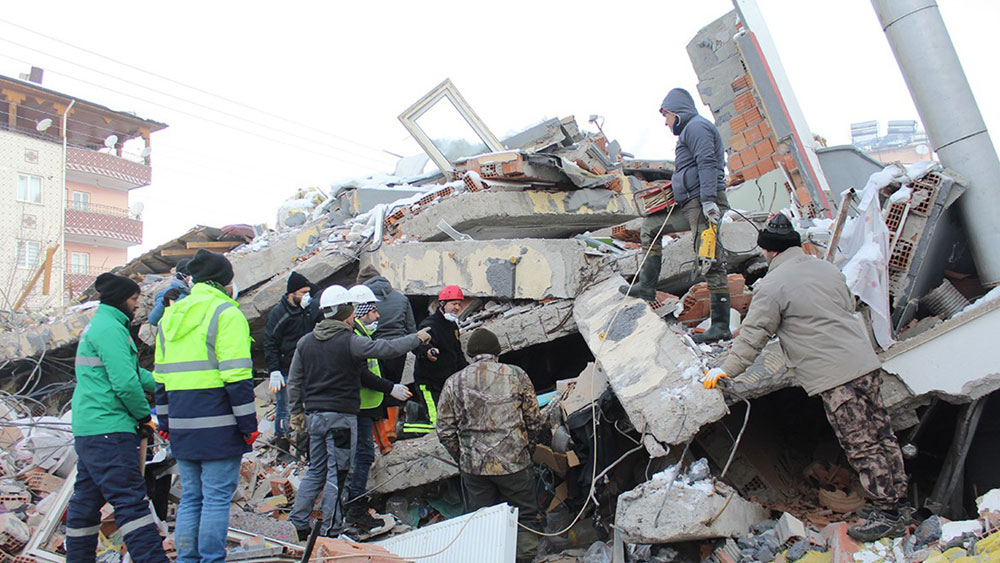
752 116
741 83
737 142
738 124
744 102
749 173
752 135
765 166
735 161
764 149
765 129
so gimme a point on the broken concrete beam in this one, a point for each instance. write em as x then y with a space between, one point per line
39 338
661 511
254 267
497 214
411 463
535 325
514 269
651 369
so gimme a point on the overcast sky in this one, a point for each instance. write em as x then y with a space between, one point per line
333 76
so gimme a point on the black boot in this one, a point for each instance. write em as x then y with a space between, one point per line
720 320
359 518
649 278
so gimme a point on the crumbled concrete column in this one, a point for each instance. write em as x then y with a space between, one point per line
652 370
411 463
39 338
513 269
660 511
497 214
535 325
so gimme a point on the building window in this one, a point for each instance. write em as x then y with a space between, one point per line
81 201
28 253
29 188
79 263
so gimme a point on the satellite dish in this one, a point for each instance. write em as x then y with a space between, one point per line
146 152
922 149
137 208
42 125
111 141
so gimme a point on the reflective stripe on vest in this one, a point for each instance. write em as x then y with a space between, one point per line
421 427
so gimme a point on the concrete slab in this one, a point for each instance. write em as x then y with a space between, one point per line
497 214
652 370
660 511
252 268
514 269
411 463
39 338
536 325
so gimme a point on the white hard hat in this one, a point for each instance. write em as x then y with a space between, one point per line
362 294
334 296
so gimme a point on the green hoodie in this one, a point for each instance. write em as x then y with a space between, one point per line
110 385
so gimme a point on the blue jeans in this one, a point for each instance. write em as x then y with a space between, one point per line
207 488
364 456
282 418
332 439
107 470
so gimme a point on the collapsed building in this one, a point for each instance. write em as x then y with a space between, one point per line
540 230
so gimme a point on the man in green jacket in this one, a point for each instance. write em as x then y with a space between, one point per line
109 406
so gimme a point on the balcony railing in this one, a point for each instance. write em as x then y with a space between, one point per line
103 221
79 278
132 174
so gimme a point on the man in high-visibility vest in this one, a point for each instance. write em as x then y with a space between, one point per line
205 403
373 390
109 402
324 394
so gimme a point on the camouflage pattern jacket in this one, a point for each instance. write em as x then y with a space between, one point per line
488 417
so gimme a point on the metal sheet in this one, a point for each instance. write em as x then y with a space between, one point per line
488 535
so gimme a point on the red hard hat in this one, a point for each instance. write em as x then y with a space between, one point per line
451 293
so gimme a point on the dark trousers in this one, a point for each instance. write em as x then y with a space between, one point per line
107 470
864 430
364 456
516 489
689 217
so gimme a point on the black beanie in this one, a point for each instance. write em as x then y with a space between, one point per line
115 289
182 267
483 341
367 273
209 266
296 281
779 235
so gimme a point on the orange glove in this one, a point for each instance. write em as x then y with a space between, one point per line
712 377
164 434
251 437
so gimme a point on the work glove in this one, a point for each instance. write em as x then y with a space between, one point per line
277 381
251 437
146 428
298 422
400 392
424 335
712 377
711 211
164 434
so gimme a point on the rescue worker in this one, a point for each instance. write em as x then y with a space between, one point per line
109 403
488 420
699 189
436 361
289 320
324 392
205 403
181 283
395 318
806 302
374 389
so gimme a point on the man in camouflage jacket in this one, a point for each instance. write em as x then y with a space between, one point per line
488 420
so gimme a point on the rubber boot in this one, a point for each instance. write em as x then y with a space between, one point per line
649 278
359 518
719 330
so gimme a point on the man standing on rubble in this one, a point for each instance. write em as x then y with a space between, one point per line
291 319
324 387
488 420
181 283
805 301
205 403
395 318
699 189
436 361
109 406
374 389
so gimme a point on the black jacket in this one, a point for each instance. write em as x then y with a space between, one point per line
329 364
394 310
450 360
286 324
699 157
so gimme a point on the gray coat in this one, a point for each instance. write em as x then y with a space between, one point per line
394 310
699 157
805 301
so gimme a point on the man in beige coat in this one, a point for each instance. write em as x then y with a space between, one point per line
805 301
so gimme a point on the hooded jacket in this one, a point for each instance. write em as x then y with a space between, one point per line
394 310
286 324
158 305
450 359
328 364
699 157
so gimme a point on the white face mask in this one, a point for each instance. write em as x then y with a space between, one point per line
451 317
372 327
235 289
305 301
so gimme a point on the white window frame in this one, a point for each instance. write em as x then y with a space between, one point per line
23 255
27 198
83 204
79 266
